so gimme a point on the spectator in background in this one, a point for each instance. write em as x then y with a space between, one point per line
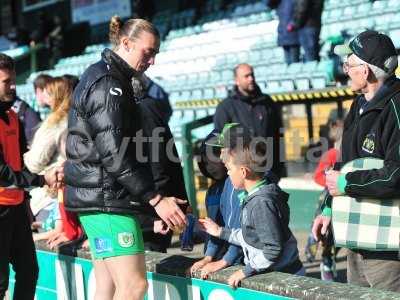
160 99
371 129
72 80
164 161
48 151
38 86
327 162
248 106
288 37
55 41
29 118
223 207
307 21
16 243
42 29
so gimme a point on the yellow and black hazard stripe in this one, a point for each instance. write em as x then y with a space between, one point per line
197 103
318 95
329 94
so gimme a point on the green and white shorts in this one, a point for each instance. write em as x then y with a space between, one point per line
112 234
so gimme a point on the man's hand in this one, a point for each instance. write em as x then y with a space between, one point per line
168 210
332 178
210 227
57 239
160 227
55 177
212 267
199 264
320 226
235 279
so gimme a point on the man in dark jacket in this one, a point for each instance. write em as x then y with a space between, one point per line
252 109
307 20
371 129
160 98
288 37
164 161
16 243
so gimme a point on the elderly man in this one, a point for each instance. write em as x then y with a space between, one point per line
248 106
371 129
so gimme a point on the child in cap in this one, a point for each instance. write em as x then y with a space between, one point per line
223 208
268 243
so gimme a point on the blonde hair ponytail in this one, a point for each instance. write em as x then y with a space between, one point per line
132 28
115 30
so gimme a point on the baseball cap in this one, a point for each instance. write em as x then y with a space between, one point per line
372 47
232 135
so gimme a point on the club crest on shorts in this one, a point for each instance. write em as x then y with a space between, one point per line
126 239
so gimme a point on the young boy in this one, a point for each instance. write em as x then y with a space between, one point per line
223 208
267 242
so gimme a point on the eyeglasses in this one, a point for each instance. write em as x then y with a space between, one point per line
347 66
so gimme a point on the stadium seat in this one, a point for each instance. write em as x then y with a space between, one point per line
395 22
208 93
395 36
364 9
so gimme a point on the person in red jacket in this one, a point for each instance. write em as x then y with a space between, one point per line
330 157
327 161
16 243
72 228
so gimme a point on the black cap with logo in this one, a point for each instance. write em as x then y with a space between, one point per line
374 48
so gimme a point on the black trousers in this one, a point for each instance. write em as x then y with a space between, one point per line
17 248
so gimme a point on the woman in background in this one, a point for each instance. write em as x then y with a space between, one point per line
48 151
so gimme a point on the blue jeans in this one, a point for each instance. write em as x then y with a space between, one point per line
292 54
309 41
187 235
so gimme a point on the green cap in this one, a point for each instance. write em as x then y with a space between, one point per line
220 139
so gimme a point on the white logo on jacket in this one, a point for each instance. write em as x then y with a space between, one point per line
116 91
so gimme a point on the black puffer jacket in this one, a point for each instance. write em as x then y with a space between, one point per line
103 172
308 13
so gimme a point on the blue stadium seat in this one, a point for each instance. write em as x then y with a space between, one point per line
395 36
303 84
196 94
392 5
208 93
378 7
395 21
364 9
221 92
273 86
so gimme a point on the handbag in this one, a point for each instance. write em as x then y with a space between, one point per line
366 223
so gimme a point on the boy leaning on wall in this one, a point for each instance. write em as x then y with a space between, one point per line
267 241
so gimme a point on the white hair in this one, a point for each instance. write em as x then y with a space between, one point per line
380 74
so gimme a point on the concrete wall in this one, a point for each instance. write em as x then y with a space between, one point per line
275 283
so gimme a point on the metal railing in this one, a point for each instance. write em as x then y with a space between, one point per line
187 154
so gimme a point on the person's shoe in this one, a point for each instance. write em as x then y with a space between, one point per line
311 249
328 269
